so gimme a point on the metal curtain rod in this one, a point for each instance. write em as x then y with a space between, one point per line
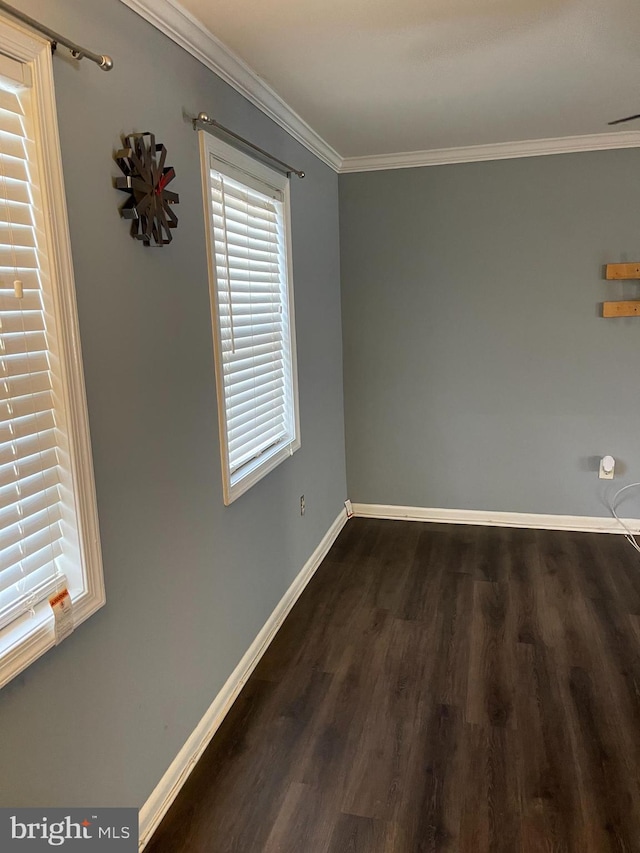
105 62
203 118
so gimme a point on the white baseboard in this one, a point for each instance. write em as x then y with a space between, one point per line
168 787
538 521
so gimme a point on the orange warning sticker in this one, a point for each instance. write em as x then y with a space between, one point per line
62 607
57 598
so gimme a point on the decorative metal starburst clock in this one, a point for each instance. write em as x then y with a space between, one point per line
145 179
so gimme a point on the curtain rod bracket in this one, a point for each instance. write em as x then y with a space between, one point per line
205 118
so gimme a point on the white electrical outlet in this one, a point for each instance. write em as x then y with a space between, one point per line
607 468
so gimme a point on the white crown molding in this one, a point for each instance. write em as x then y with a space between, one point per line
535 521
497 151
180 26
178 772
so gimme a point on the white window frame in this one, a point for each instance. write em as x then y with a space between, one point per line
23 642
214 153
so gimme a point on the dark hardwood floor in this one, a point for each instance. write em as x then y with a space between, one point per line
436 688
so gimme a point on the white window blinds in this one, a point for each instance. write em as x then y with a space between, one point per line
253 318
49 534
31 506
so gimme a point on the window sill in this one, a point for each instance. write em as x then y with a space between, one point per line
252 473
29 637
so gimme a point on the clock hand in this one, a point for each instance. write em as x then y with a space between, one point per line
164 180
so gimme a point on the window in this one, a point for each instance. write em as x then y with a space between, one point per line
247 208
48 522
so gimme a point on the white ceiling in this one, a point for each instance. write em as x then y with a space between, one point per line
375 77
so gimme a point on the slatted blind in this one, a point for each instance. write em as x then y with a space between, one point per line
30 475
253 317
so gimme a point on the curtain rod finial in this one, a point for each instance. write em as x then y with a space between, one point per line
204 118
107 63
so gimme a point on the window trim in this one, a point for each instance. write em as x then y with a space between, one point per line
27 646
212 147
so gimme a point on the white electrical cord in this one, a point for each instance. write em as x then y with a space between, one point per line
631 539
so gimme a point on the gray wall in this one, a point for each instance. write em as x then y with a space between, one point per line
189 582
478 373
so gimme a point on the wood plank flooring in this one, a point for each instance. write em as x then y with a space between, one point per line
436 688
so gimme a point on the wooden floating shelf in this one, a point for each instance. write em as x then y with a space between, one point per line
619 272
621 309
